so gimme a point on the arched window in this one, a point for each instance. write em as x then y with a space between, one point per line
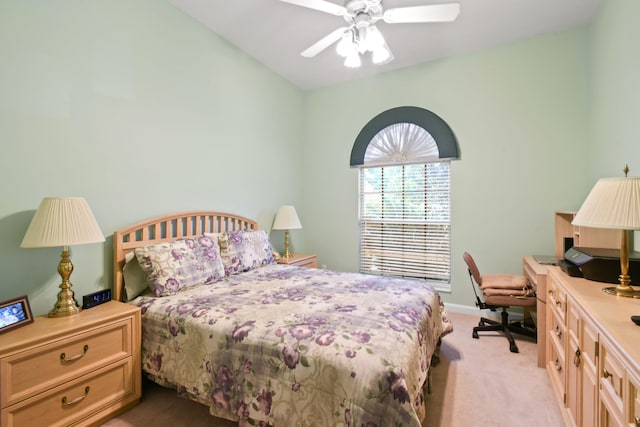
405 217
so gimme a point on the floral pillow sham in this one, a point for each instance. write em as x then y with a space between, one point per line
245 250
173 266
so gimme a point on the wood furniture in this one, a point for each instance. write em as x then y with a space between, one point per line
251 315
593 352
76 370
536 273
302 260
168 228
585 237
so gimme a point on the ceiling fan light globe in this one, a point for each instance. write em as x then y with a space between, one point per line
381 55
353 61
345 46
374 39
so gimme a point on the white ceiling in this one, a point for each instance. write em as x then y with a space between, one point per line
274 32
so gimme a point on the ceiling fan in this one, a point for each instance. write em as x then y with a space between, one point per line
361 35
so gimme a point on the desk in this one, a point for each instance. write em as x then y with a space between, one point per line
537 275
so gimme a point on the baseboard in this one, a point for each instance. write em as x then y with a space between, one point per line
465 309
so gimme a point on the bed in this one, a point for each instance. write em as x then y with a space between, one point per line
268 344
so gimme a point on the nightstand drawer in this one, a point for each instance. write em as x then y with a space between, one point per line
308 263
46 366
301 260
78 402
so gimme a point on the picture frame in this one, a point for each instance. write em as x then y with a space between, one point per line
15 313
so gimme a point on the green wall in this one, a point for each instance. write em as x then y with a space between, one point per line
142 111
519 113
615 83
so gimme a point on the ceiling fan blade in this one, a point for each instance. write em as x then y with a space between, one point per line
324 43
321 5
445 12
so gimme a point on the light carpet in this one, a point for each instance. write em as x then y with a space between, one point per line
478 382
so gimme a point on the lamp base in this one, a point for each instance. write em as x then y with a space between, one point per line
66 305
64 308
287 253
624 292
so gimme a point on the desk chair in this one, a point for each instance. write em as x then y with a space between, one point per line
501 291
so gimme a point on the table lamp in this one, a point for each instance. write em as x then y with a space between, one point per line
63 221
286 219
614 203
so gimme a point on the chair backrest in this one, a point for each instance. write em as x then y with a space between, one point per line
474 274
473 268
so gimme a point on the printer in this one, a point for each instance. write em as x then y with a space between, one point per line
600 265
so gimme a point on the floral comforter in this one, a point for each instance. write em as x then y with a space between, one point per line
291 346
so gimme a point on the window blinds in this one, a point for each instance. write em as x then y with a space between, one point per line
405 221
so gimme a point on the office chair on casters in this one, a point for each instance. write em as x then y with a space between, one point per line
501 291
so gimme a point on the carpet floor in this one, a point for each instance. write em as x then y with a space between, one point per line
478 382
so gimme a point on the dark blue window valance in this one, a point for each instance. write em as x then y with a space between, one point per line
437 133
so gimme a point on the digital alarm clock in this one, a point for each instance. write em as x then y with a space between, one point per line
96 298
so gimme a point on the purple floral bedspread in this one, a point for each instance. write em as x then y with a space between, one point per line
291 346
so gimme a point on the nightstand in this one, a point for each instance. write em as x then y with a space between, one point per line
301 260
80 370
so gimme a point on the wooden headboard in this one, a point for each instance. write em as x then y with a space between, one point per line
167 228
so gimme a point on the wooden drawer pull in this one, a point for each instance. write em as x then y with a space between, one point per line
63 356
77 399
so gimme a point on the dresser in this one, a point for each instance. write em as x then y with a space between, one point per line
301 260
77 370
593 352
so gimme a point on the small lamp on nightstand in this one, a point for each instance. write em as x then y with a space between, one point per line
286 219
614 203
63 221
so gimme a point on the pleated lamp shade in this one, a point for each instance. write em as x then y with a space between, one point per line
62 221
612 203
286 219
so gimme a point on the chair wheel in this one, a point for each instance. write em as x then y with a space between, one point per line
513 348
475 334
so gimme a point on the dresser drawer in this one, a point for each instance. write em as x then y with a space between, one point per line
557 301
77 402
558 332
556 367
49 365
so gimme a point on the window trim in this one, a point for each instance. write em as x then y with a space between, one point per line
445 141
